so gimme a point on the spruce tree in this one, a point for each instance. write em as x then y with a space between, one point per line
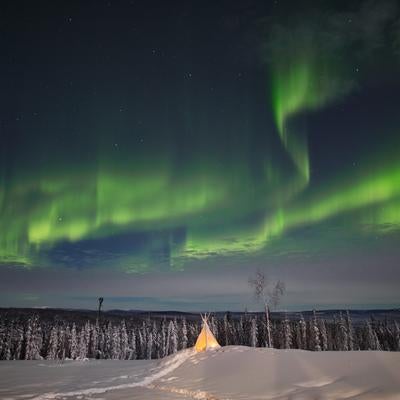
172 339
342 334
253 332
396 336
53 344
350 331
287 334
116 344
301 333
315 334
184 334
124 345
108 339
227 330
149 346
33 339
82 352
132 347
94 344
74 343
372 342
324 335
164 337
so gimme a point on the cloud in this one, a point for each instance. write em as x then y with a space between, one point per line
335 33
316 55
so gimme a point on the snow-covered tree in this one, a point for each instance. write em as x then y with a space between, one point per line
324 335
164 350
253 332
94 343
108 341
88 338
156 334
372 341
213 326
350 331
149 345
240 337
302 333
7 343
145 331
315 334
132 346
82 349
396 336
193 332
227 330
101 343
184 334
62 342
116 344
19 342
53 344
3 335
124 343
74 343
287 334
343 338
172 338
33 339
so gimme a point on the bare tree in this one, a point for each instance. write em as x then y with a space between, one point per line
268 297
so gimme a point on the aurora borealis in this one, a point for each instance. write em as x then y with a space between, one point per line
139 151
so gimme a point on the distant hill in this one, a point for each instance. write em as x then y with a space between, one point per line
71 315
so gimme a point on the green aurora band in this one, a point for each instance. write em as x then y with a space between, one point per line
215 225
376 195
380 188
302 80
227 201
41 210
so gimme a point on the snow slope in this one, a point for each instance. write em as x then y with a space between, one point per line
232 372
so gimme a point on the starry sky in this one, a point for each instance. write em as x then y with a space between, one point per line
157 153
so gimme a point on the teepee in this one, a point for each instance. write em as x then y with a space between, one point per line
206 339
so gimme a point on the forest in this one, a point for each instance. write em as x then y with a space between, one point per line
31 336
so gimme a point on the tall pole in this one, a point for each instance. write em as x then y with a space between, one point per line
99 310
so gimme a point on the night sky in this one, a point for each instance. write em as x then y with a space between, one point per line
157 153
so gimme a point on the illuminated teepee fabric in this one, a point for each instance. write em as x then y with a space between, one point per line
206 339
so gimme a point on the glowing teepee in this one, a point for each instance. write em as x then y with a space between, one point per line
206 339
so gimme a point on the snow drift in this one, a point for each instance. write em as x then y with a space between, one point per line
232 372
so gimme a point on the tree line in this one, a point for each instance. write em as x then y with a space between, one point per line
152 338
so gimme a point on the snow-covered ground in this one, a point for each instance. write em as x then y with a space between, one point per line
232 372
